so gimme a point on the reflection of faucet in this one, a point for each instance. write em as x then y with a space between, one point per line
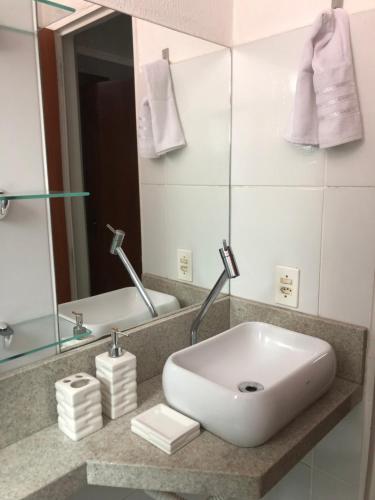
116 249
230 271
7 333
79 329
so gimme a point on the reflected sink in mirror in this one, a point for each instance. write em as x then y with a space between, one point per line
248 382
123 308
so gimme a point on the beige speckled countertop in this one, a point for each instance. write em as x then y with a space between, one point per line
45 464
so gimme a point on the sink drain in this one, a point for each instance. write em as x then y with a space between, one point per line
250 387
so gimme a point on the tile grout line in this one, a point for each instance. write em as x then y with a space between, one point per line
322 232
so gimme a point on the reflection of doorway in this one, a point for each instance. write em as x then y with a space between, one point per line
110 166
99 152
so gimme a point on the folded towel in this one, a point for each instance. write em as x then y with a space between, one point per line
159 129
326 108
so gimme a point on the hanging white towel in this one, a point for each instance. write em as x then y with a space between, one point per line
159 129
326 108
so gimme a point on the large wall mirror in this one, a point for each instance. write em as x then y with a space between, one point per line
144 242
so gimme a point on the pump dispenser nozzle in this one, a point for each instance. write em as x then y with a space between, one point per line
115 351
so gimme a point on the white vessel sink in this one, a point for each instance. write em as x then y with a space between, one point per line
122 308
281 372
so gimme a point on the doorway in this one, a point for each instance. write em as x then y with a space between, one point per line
101 158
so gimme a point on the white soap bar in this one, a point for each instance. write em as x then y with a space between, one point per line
159 438
162 445
167 423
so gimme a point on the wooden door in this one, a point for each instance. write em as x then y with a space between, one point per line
110 164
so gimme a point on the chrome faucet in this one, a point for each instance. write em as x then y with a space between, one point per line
6 332
116 249
230 271
79 329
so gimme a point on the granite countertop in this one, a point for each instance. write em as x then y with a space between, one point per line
114 456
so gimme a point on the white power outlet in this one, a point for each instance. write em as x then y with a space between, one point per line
184 265
287 286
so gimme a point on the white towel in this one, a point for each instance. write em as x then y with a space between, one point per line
326 108
159 128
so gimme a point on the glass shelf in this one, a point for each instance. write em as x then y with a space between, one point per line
49 12
34 196
56 5
26 339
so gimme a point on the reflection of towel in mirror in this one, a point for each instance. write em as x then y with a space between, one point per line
326 109
159 128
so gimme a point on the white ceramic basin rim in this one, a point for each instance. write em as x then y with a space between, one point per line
122 308
292 371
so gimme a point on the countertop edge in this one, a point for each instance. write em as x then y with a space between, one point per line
85 465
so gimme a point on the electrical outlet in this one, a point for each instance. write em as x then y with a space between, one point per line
184 265
287 286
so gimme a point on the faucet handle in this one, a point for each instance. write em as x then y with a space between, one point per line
5 329
229 260
6 332
117 239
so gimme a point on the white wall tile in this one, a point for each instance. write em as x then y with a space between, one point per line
339 453
17 14
202 88
353 164
348 254
260 18
187 217
276 226
265 73
326 487
152 38
294 486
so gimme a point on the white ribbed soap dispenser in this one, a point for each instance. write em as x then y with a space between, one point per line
117 372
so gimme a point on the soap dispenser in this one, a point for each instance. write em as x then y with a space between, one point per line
117 372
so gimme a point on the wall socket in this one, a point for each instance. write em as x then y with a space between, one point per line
184 265
287 286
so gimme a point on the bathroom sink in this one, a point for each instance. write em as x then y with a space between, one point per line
248 382
122 308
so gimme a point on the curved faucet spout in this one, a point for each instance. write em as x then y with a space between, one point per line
118 238
230 271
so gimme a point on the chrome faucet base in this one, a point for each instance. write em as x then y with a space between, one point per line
6 332
4 207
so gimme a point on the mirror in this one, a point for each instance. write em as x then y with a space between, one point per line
171 212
